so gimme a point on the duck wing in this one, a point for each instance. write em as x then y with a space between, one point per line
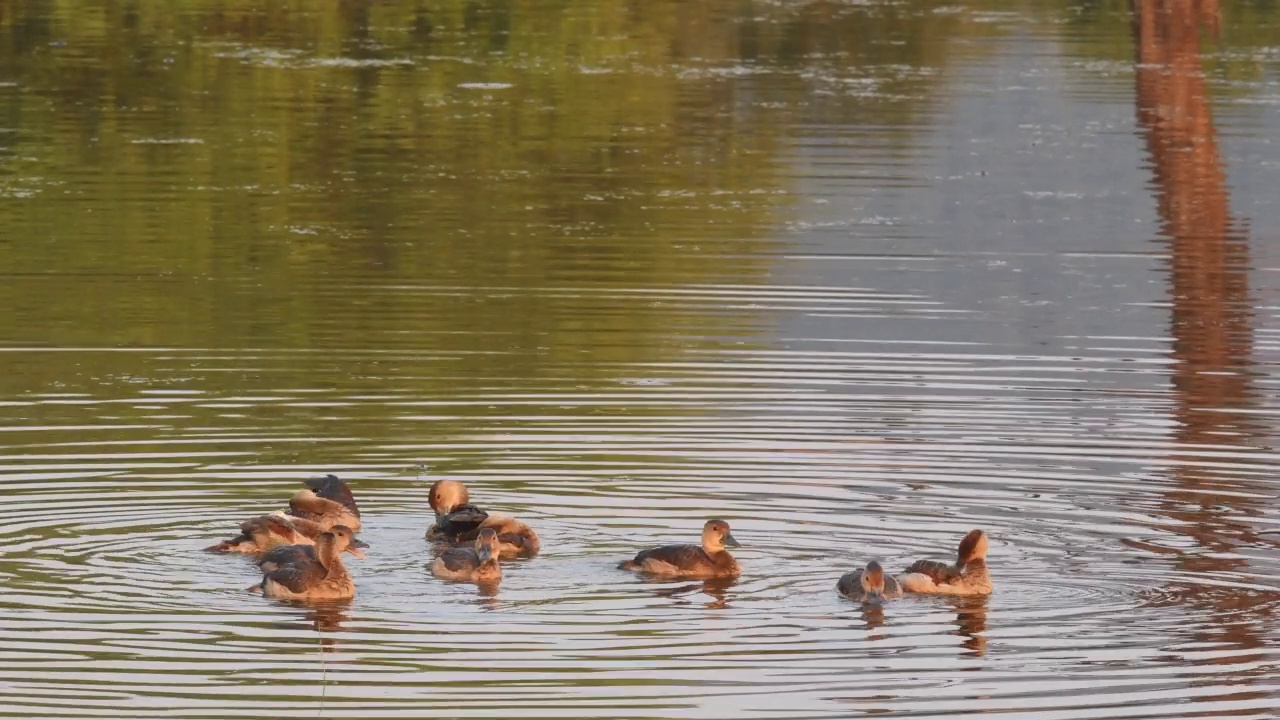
288 556
682 556
297 577
314 508
331 487
464 519
278 525
941 573
851 583
459 559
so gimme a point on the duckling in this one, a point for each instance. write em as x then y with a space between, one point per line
328 501
477 564
458 521
260 534
710 560
869 585
310 572
969 576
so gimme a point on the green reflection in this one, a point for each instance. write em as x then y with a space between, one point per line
510 179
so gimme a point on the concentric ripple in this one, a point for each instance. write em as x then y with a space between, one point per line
113 609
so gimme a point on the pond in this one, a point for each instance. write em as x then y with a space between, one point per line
856 277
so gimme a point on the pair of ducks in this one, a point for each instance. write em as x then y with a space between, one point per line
968 576
492 537
300 550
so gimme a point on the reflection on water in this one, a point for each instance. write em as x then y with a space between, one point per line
1212 331
713 593
857 277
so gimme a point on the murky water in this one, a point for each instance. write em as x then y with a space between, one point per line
855 276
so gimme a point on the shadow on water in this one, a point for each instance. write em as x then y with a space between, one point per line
1211 327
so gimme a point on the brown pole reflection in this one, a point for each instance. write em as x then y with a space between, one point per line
1208 259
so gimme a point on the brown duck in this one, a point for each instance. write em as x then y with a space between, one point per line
478 563
458 521
709 560
309 572
325 502
968 576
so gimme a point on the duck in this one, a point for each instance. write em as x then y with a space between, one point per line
869 584
328 501
968 576
310 572
708 560
478 564
260 534
324 503
458 521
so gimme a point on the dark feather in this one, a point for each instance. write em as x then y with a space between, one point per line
940 572
681 556
463 520
458 559
289 555
850 584
331 487
297 577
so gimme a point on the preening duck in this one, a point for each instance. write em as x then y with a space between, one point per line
458 521
968 576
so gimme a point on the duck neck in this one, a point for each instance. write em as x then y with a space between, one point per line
329 556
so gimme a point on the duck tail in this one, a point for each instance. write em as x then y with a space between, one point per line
628 565
256 589
526 544
227 546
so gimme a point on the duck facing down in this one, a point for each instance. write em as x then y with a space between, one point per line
869 584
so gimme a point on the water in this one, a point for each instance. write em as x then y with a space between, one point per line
855 276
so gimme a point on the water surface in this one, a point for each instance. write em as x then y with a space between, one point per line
856 277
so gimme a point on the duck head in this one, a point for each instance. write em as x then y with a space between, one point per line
972 547
716 536
445 495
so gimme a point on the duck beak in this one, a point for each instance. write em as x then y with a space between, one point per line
486 554
730 541
355 551
358 543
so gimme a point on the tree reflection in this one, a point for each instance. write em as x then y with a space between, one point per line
1211 323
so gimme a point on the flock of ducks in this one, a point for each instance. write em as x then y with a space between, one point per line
300 550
